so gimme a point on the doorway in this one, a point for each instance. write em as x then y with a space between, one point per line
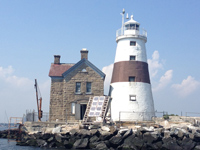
83 109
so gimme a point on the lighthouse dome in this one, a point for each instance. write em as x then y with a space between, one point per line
131 24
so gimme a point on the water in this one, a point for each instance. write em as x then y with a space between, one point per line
6 144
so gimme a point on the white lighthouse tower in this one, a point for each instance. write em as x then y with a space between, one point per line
130 87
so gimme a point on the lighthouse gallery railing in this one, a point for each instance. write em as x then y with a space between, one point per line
120 32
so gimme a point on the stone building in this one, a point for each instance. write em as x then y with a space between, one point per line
71 87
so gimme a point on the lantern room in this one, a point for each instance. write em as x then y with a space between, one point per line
131 27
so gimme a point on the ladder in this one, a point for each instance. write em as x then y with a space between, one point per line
85 118
105 107
103 112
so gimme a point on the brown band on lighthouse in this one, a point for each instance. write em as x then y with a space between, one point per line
124 69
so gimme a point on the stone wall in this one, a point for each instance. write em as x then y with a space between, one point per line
63 92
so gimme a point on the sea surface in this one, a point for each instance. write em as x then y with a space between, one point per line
6 144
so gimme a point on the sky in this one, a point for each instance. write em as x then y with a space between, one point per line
32 32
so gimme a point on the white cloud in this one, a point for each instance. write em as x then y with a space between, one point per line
187 86
6 75
154 64
17 94
6 71
108 71
164 80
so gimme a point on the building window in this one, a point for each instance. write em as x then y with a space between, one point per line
88 87
78 87
132 43
73 108
131 79
132 57
132 97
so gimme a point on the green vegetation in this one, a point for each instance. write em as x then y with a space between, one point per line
166 116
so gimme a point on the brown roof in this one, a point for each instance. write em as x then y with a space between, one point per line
58 69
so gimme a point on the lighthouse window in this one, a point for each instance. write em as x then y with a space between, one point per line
132 43
131 79
137 27
132 97
132 57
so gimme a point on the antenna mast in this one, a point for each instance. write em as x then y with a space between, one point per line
123 12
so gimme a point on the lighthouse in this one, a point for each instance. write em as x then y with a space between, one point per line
130 87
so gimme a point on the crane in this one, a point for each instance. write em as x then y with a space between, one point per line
39 101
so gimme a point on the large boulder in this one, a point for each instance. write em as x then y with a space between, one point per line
81 144
56 130
128 133
188 144
68 144
116 140
171 145
94 139
83 133
128 143
105 135
150 137
41 143
101 146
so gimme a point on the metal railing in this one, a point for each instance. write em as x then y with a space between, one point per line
32 116
139 116
121 31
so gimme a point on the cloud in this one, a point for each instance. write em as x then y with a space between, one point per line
18 93
7 78
164 80
187 86
108 71
154 64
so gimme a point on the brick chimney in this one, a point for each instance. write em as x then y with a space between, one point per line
84 53
56 59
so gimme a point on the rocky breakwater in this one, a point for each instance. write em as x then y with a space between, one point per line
111 137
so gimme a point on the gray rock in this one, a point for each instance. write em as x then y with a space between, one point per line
83 133
115 141
187 144
166 133
94 139
150 137
105 128
81 143
122 131
41 143
68 144
94 132
58 138
56 130
73 132
46 136
128 143
197 147
104 135
101 146
138 142
182 133
128 133
50 139
93 145
171 145
196 137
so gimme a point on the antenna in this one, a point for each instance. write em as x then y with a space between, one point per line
127 16
123 12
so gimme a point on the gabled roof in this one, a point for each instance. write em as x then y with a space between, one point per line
88 63
57 70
